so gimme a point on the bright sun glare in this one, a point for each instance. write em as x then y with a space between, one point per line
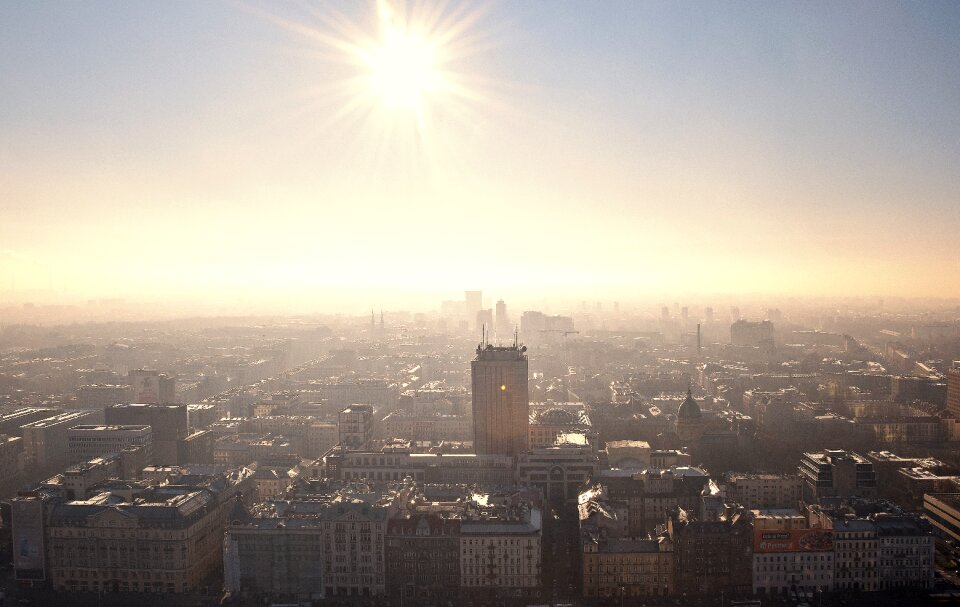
403 64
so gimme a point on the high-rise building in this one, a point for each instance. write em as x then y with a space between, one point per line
953 389
500 399
473 302
503 322
485 321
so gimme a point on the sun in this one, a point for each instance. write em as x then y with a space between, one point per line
404 66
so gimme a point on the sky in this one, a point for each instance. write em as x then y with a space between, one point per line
207 151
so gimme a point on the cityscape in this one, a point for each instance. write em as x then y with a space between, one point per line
486 456
424 303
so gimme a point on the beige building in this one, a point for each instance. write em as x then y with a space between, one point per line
764 490
168 539
501 551
627 567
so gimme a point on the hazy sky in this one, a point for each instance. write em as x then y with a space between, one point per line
621 148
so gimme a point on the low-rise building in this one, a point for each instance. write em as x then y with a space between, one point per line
712 556
627 567
168 538
856 555
942 510
792 560
906 552
763 490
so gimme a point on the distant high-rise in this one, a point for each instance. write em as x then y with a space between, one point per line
485 321
746 333
503 322
473 302
500 400
953 389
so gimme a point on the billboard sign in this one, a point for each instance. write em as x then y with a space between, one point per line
27 529
792 540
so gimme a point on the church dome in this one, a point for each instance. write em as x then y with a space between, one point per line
689 409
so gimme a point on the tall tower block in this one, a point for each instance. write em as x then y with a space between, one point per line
501 401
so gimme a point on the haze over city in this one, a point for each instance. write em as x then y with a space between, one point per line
193 153
432 303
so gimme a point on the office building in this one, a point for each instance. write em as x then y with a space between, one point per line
836 473
46 444
953 389
170 424
500 399
88 441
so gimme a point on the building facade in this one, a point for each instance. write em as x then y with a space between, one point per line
836 473
88 441
500 400
170 424
627 568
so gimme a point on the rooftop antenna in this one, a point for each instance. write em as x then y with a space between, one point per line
516 337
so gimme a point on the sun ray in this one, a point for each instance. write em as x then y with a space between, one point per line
395 86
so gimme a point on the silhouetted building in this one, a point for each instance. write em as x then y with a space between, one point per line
747 333
170 424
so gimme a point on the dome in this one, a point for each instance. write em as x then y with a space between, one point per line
558 417
689 409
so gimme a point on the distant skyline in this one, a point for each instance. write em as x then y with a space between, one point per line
215 150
